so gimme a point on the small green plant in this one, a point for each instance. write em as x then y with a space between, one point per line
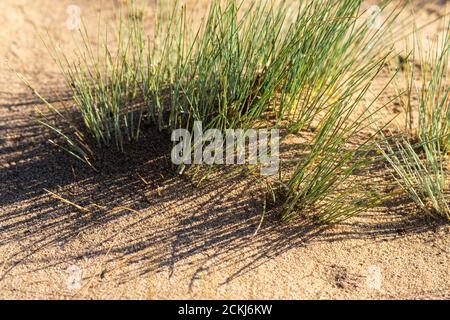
419 161
324 181
419 170
434 95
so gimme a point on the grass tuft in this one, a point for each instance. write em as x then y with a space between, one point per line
420 157
258 63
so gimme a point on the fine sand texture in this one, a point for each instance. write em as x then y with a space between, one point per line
143 232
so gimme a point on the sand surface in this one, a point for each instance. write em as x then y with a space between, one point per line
179 240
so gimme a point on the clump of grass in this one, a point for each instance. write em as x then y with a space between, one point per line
429 118
419 158
243 63
238 64
106 82
434 94
419 170
324 181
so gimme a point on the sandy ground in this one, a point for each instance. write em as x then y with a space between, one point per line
181 241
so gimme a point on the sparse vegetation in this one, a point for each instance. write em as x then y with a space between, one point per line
256 63
419 157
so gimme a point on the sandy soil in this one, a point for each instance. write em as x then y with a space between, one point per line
180 240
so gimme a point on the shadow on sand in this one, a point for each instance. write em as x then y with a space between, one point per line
155 218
